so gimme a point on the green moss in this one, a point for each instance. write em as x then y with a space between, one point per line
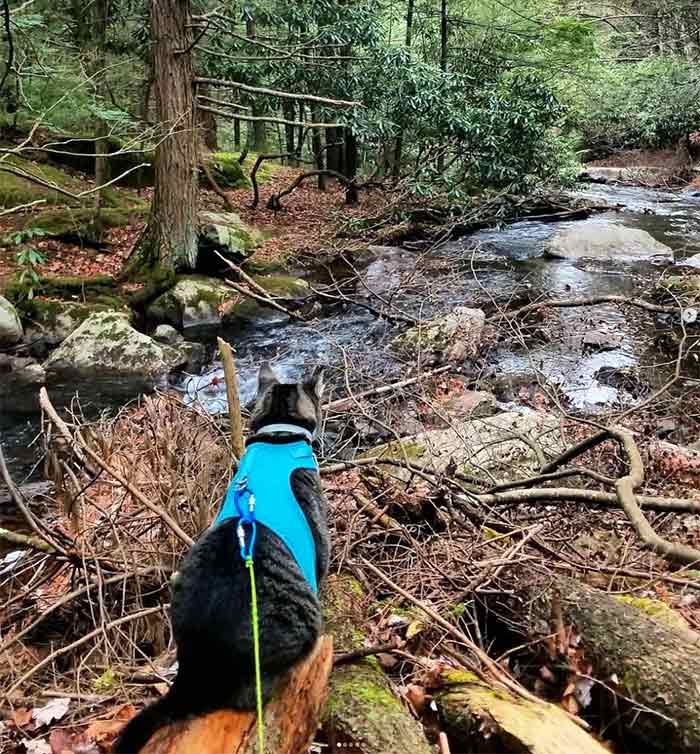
60 286
15 189
228 172
655 609
396 450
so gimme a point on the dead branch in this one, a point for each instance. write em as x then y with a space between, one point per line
234 404
589 301
225 83
264 300
266 119
47 406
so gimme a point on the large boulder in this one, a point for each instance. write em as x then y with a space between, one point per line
605 240
105 344
194 301
10 326
227 234
505 446
451 338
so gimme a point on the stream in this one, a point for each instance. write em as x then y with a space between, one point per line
490 269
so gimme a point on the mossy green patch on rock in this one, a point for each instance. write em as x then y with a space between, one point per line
82 223
62 286
228 172
194 301
106 344
655 609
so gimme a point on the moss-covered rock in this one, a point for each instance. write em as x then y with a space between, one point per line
106 344
90 288
10 326
685 286
53 320
241 309
227 234
82 224
453 337
194 301
502 446
228 172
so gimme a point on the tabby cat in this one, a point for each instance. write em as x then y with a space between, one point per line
210 606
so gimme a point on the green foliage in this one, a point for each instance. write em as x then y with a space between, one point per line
28 260
651 103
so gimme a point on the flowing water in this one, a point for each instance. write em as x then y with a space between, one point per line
490 269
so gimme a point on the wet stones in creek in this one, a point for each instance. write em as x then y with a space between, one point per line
11 331
605 241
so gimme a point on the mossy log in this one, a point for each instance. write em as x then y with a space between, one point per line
362 713
656 664
291 719
487 719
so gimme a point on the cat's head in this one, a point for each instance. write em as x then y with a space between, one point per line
297 403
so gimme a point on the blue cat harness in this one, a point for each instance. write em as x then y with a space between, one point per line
261 493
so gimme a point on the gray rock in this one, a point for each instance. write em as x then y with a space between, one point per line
195 355
20 380
639 174
10 326
471 404
167 334
454 337
106 344
194 301
693 261
53 320
226 233
605 240
595 341
480 447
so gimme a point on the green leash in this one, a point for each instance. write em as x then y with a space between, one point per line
256 655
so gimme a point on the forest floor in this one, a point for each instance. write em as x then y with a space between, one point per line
462 530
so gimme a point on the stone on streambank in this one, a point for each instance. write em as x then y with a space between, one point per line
20 380
105 344
642 175
200 301
453 337
605 240
227 234
505 446
11 331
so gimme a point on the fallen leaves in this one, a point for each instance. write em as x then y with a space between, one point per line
52 710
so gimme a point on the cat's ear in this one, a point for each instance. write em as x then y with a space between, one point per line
318 381
266 378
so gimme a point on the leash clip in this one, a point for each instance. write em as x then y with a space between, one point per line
246 518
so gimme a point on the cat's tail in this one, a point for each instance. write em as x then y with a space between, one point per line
139 729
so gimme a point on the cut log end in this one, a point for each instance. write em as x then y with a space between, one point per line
291 718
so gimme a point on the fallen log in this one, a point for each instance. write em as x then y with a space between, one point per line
652 666
472 711
362 713
291 718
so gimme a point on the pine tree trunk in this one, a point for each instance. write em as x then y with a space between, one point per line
170 239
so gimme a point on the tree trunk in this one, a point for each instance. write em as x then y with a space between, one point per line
101 11
656 665
237 135
317 147
206 121
170 239
333 150
443 63
291 719
288 110
398 147
476 715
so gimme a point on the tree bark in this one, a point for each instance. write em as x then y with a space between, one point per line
398 147
333 150
289 114
362 714
291 719
443 63
170 239
317 147
656 665
206 120
101 11
475 715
